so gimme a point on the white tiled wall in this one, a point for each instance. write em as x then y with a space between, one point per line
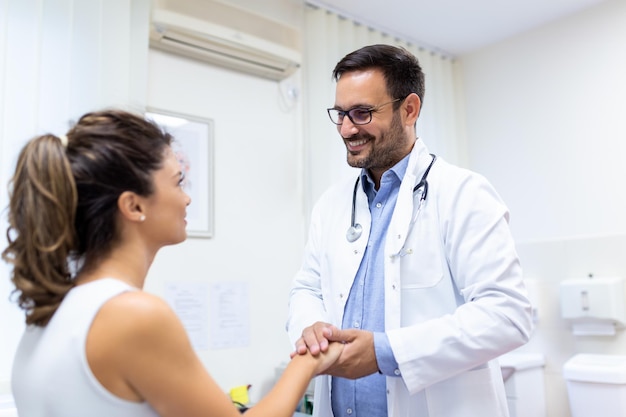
546 264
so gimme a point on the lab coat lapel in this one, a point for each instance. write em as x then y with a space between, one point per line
406 203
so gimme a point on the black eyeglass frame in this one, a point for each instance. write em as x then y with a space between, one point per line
343 113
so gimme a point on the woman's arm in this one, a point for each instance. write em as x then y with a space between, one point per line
139 350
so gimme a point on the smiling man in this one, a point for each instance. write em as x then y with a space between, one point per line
413 260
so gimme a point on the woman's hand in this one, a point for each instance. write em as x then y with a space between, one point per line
328 358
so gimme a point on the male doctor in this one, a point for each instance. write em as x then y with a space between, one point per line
413 261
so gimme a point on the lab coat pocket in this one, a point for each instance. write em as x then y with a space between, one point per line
419 272
420 265
475 393
424 292
421 256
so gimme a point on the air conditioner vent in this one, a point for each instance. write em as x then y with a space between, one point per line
224 44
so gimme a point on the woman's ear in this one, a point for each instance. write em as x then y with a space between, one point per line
131 206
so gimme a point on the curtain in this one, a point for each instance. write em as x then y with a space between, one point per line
327 38
58 60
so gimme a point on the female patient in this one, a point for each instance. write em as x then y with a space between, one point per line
101 202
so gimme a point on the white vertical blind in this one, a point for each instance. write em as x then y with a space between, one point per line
58 60
328 37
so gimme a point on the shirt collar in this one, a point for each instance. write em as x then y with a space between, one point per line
398 170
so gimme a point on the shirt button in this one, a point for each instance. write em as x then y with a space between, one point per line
396 372
357 324
378 205
349 411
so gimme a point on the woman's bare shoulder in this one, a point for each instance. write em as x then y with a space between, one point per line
137 316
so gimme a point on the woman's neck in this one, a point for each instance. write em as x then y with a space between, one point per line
125 265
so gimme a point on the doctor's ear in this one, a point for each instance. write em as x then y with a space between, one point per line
411 108
131 207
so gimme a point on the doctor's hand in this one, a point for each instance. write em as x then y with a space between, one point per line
358 358
314 339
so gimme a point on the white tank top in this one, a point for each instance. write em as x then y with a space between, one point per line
51 376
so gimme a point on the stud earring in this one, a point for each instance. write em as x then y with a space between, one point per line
142 218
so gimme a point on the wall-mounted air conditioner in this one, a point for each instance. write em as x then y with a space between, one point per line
226 36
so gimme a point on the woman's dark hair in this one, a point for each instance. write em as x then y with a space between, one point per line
63 201
401 70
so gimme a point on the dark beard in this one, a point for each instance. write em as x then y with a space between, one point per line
389 154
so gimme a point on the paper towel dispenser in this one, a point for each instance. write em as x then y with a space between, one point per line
594 306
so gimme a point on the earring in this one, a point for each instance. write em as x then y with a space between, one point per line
142 218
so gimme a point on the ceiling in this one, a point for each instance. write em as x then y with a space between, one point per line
455 27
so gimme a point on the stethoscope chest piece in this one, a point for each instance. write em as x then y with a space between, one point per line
354 232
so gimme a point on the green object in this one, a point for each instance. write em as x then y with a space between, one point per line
308 404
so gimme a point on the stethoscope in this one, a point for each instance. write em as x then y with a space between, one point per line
355 230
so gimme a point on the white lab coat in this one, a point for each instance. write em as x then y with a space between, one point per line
454 295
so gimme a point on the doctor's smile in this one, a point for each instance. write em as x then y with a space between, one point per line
355 145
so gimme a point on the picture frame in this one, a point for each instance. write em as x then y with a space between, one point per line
194 147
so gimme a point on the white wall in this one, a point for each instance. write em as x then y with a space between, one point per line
545 123
545 118
259 227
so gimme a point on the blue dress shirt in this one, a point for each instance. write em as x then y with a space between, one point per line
365 308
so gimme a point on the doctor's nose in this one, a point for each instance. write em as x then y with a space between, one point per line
347 128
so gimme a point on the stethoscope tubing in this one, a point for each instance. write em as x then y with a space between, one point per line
355 230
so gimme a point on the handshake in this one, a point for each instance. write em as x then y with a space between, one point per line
346 353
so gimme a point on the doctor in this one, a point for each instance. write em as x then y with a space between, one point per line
413 259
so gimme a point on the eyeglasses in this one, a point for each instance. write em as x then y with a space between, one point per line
357 115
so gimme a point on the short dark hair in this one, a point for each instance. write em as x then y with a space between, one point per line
400 68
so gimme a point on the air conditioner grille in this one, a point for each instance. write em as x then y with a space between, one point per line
221 45
224 53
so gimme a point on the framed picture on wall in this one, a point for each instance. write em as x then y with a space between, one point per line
193 144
